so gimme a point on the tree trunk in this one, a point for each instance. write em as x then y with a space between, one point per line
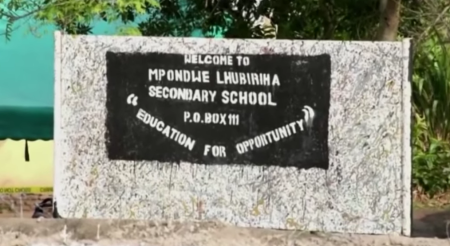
389 21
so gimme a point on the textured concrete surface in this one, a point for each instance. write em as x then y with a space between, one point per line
366 189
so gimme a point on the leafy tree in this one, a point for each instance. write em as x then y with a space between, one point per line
71 16
289 19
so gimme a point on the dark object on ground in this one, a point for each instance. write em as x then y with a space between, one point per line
46 209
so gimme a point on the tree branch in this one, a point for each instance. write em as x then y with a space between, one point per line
438 18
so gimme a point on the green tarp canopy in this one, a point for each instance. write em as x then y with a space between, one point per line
23 122
26 86
26 81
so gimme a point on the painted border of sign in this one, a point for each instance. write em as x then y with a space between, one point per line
368 139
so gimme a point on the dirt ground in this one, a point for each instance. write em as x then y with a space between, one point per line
19 205
18 232
429 228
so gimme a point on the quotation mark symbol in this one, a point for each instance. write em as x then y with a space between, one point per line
132 99
309 115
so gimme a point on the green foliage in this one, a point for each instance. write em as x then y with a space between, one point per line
431 131
431 161
432 85
129 31
171 19
72 16
306 19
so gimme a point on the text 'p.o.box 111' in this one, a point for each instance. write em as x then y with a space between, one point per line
274 134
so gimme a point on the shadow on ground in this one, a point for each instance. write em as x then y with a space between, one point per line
431 222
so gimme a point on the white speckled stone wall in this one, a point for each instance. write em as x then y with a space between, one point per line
366 189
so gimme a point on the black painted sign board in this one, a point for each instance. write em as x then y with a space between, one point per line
268 109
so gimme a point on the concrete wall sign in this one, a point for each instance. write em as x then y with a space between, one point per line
305 135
